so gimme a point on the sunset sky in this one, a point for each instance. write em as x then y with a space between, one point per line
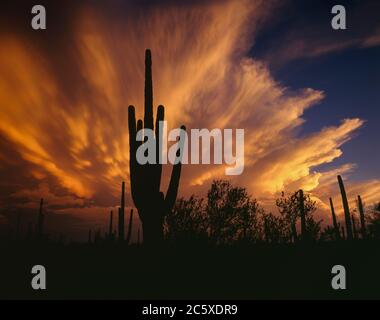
306 95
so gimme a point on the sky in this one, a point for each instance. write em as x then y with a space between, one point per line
306 95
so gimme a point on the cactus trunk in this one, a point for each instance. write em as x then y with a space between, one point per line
335 223
362 220
346 209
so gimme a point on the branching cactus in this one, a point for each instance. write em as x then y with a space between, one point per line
335 223
151 203
346 208
362 220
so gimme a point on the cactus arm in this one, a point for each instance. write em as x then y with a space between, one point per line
132 128
159 144
172 191
133 169
148 110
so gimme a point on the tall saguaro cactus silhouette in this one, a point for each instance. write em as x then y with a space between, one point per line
335 223
151 203
346 209
362 220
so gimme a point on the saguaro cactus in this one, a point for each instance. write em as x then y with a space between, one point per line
121 213
40 222
362 220
129 233
151 203
302 214
346 209
335 223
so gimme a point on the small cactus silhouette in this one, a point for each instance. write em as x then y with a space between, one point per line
129 233
151 203
346 209
362 220
335 223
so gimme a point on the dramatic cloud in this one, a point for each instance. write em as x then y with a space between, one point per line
63 110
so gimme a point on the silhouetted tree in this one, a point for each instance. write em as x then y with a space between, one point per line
187 221
275 229
231 213
292 207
